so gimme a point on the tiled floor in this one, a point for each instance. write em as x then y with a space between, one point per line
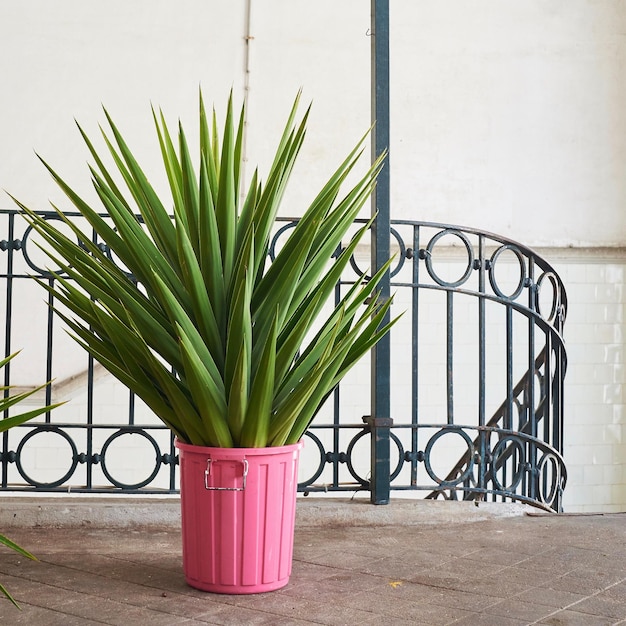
532 569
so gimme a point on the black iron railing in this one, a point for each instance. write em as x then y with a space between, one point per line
478 365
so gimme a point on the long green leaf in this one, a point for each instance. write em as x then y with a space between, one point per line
204 315
238 394
178 316
170 160
255 432
210 401
226 204
210 258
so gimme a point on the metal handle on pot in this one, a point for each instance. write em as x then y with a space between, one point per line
207 473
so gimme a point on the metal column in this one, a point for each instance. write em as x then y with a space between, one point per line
380 419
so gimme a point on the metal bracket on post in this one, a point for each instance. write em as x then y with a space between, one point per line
380 462
207 473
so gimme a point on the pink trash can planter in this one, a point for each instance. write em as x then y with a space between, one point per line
238 509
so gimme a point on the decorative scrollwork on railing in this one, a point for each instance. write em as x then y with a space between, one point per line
515 460
28 447
72 457
158 459
523 280
427 255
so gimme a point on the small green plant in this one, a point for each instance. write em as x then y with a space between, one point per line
6 402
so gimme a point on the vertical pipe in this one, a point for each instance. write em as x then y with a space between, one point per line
380 419
247 38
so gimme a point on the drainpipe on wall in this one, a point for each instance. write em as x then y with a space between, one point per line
248 37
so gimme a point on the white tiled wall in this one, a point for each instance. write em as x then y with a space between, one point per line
595 424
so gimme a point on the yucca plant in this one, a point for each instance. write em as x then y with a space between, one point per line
8 401
216 339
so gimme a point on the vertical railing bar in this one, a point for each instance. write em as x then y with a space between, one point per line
131 408
483 442
90 405
336 433
508 413
172 469
482 262
508 416
9 291
415 313
49 348
547 401
336 413
532 450
558 399
7 339
450 356
90 411
547 378
558 371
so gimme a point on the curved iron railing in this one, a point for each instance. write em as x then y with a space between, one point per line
478 364
496 310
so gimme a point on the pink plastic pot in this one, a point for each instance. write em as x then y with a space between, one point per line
238 508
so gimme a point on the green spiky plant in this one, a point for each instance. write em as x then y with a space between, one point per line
6 402
214 338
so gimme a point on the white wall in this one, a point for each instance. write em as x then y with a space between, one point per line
507 116
595 405
62 61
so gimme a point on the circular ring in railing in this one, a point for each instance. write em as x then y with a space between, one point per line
400 464
130 431
279 233
502 450
470 452
555 299
320 467
27 438
522 271
30 231
400 256
548 472
354 441
429 257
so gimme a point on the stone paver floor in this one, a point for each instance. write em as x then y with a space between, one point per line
532 569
